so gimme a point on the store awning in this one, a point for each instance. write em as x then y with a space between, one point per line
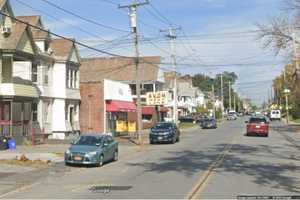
120 106
148 110
164 109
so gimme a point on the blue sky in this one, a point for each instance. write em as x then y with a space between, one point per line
205 20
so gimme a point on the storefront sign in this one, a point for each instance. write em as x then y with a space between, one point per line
114 90
157 98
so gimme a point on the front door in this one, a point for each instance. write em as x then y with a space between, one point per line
5 118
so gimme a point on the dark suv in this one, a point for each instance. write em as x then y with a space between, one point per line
164 132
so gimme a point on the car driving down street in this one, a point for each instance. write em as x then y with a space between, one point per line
258 125
209 123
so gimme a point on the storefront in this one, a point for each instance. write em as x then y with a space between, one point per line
153 114
118 107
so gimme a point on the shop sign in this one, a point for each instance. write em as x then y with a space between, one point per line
157 98
114 90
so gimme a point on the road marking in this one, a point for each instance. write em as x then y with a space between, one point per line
204 179
19 189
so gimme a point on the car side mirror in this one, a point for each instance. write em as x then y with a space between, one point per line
246 122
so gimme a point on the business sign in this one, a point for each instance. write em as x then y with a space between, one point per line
114 90
157 98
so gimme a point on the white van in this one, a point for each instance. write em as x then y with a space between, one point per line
275 115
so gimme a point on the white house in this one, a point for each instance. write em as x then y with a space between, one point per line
65 88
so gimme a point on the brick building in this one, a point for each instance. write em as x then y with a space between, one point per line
93 73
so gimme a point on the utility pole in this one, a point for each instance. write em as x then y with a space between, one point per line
234 102
172 36
286 97
229 91
133 23
214 100
222 95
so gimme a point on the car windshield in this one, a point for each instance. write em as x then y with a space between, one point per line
88 140
162 126
257 120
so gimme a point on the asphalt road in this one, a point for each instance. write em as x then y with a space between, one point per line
220 163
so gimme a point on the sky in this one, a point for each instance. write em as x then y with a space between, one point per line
214 35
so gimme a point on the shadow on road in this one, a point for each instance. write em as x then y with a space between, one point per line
264 173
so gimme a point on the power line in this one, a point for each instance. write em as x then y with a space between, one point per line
161 15
63 37
56 18
83 18
155 16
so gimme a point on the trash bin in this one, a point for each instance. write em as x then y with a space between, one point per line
3 143
12 144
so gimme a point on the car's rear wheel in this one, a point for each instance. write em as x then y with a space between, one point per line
116 155
178 139
151 142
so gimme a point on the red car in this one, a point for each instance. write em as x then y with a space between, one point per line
258 125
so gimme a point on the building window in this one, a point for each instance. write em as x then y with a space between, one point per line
34 73
34 112
47 112
71 78
75 79
67 78
147 118
46 76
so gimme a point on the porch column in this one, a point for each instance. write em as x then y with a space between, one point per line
22 118
11 119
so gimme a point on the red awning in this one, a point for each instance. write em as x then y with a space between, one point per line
148 110
120 106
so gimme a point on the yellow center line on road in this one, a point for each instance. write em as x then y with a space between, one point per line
200 185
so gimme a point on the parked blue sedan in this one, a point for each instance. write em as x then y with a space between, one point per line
92 149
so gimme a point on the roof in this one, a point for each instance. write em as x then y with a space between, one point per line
61 47
35 20
119 69
11 42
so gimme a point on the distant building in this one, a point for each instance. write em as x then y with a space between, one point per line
189 97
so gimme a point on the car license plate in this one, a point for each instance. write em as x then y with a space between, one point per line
160 138
257 126
77 158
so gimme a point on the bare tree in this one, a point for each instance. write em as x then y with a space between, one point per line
277 34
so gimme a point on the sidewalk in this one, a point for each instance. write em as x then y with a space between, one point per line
53 153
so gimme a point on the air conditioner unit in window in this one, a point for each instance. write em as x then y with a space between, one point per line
6 31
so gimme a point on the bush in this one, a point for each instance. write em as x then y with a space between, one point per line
219 113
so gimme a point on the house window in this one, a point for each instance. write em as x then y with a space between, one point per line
47 112
67 78
71 78
34 112
46 75
75 79
34 73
